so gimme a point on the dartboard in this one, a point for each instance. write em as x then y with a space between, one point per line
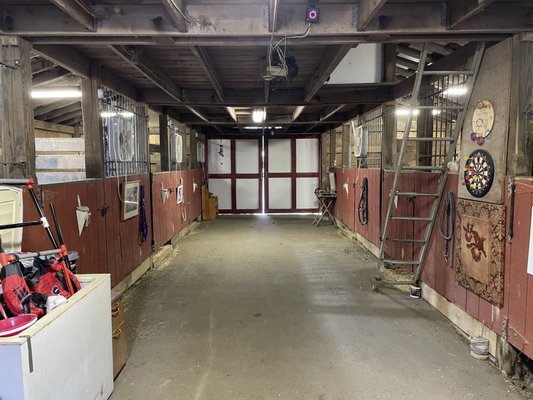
479 173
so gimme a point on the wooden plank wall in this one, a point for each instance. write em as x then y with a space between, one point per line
345 209
437 273
108 244
172 217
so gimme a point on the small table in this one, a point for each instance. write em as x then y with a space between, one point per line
326 200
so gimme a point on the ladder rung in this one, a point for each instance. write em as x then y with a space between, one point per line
416 194
447 72
440 107
400 262
406 240
412 218
423 168
431 139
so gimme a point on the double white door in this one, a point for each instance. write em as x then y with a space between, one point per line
271 175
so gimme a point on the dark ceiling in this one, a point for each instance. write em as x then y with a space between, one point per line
204 61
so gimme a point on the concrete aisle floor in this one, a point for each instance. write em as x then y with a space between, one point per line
272 308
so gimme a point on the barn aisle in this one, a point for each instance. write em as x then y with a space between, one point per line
273 308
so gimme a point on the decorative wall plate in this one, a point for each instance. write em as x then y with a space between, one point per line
479 173
482 122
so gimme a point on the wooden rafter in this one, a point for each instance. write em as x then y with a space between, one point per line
79 11
462 10
327 114
50 75
205 61
331 59
176 9
367 10
158 78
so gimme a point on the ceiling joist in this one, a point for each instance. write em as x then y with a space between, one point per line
331 59
367 10
177 11
144 20
79 11
462 10
205 61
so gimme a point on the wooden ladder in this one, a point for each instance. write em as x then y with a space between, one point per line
396 192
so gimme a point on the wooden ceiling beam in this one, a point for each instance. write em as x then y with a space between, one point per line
206 63
66 57
49 76
136 59
79 11
462 10
330 60
366 11
327 114
60 111
79 64
328 95
177 10
68 116
38 111
209 21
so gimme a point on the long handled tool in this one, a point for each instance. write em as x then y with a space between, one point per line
65 262
29 183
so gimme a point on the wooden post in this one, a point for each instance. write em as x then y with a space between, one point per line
92 125
388 138
164 141
332 148
193 147
346 161
16 109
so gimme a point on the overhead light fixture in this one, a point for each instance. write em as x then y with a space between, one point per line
259 115
56 93
255 128
455 91
401 112
110 114
435 111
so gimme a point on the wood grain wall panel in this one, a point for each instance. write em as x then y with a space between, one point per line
112 226
350 209
485 314
518 283
472 304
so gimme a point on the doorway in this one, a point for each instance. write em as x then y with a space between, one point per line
265 174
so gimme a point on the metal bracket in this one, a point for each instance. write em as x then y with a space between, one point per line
15 65
505 329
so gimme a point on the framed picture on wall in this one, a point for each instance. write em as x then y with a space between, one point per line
130 200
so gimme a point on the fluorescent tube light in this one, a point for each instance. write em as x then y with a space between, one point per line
56 93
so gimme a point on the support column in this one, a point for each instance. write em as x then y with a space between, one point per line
193 147
92 125
16 109
346 159
388 138
164 141
332 148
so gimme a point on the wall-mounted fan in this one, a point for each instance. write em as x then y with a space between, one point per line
176 148
121 138
359 139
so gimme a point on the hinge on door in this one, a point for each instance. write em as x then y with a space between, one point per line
505 329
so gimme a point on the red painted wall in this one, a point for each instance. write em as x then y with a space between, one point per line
518 300
109 244
171 217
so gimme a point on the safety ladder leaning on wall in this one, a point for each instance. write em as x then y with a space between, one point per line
400 168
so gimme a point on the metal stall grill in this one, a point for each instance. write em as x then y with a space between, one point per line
374 122
442 93
125 134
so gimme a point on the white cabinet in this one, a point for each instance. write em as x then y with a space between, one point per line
65 355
